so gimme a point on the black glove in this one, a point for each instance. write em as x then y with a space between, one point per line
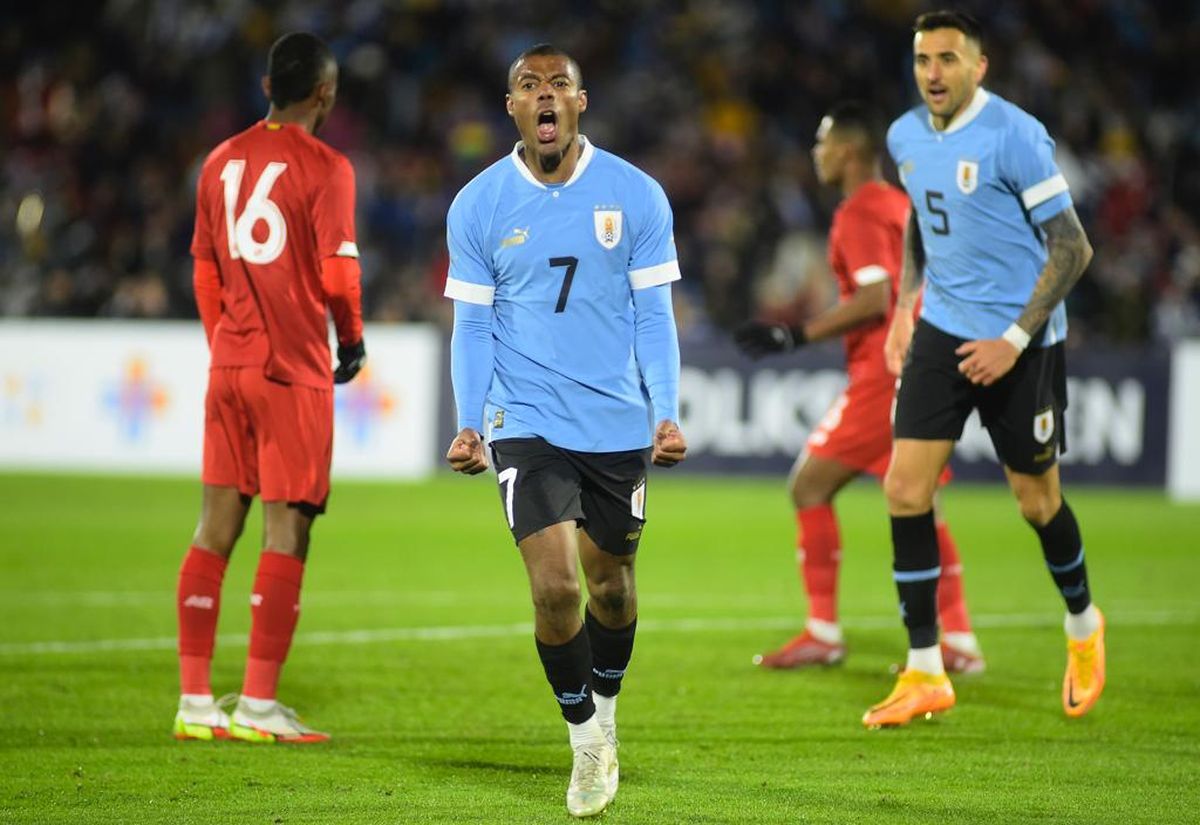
758 338
351 359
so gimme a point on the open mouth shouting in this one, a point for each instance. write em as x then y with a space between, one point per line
547 126
938 95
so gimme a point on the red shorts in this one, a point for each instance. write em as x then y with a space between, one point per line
262 436
857 430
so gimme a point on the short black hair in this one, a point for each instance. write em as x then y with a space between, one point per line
950 19
857 117
539 50
294 65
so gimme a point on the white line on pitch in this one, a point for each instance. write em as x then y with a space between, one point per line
517 629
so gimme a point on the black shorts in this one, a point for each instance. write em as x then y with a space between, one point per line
604 493
1022 412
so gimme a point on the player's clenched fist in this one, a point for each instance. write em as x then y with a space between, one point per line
466 453
670 447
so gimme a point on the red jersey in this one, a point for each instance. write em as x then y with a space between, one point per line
866 246
271 204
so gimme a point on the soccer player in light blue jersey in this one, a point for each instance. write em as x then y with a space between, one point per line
997 244
565 363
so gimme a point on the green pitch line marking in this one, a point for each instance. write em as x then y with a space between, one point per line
517 629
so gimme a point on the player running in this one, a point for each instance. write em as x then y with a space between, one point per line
565 354
997 242
855 436
274 247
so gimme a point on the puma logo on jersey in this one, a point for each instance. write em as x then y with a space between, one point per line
518 237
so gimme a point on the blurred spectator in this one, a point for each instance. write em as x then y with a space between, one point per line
107 110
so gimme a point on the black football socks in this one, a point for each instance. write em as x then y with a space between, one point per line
611 651
568 670
916 569
1063 548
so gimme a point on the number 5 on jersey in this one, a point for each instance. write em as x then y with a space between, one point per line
259 207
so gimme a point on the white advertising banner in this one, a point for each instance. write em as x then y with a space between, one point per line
1183 453
125 396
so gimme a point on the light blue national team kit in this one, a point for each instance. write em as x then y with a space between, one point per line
565 276
979 189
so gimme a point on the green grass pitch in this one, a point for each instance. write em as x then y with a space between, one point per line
414 650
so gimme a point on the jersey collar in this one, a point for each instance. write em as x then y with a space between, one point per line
585 157
968 114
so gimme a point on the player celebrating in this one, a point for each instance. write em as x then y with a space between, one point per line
856 434
274 247
1002 247
561 259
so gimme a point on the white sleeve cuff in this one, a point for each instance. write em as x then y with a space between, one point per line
1044 191
471 293
655 275
348 249
872 274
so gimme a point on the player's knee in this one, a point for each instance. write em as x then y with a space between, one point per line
217 538
556 594
613 596
806 495
905 495
1037 507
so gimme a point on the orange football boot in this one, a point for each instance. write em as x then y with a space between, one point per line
1084 679
916 694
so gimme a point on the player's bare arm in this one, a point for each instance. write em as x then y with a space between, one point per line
670 447
466 453
900 333
868 305
1069 253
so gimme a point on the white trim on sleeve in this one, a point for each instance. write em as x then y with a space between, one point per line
1044 191
655 275
471 293
872 274
348 249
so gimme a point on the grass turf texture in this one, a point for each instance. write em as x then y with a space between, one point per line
463 728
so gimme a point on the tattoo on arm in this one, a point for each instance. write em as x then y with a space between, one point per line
912 270
1069 255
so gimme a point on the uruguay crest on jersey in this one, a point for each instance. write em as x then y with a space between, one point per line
968 176
608 227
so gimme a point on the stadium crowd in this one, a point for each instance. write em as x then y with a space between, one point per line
108 109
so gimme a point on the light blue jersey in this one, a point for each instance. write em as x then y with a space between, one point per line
980 189
559 267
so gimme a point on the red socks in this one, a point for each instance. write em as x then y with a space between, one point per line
274 611
197 602
820 551
952 605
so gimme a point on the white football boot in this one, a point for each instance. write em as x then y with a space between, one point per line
200 717
276 724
